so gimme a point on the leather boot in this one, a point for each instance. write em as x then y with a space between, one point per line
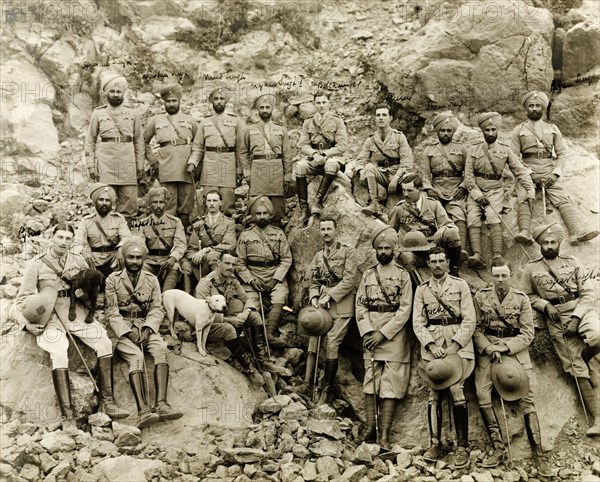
258 340
493 429
62 387
454 254
461 423
571 218
476 260
331 367
145 415
309 373
170 280
590 398
374 208
272 325
388 407
302 189
161 382
105 385
524 222
532 427
434 417
496 237
323 188
245 361
462 232
368 432
187 284
185 220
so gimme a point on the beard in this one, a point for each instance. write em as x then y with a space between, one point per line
549 253
262 223
219 109
115 101
490 139
534 115
385 258
103 210
172 110
265 115
445 139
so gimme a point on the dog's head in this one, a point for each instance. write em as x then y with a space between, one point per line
217 304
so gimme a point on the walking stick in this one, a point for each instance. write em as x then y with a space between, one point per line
262 315
316 372
87 369
375 396
509 231
544 201
507 432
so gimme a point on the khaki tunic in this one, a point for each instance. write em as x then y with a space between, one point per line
440 175
89 236
222 235
117 162
230 288
263 245
394 146
172 160
267 176
337 283
325 134
170 228
431 211
393 325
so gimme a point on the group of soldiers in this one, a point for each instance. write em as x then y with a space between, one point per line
448 197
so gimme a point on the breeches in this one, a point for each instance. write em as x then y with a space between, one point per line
127 199
457 210
334 338
475 212
279 295
457 390
484 386
307 167
132 353
182 197
391 378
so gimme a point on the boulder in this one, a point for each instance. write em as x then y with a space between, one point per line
126 468
32 128
14 197
575 110
578 58
23 83
160 27
57 442
58 60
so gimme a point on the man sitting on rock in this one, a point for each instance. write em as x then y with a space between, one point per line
487 160
134 312
383 304
559 288
505 330
101 233
50 274
384 160
264 258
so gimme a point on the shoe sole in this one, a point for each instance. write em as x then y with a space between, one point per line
148 421
523 240
588 236
174 416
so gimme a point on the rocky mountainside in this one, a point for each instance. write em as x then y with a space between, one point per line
422 58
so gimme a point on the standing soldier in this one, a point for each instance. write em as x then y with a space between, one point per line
264 258
558 287
114 146
219 147
383 305
323 141
384 160
134 312
543 150
165 239
101 233
504 332
174 132
332 278
443 165
483 177
444 322
268 158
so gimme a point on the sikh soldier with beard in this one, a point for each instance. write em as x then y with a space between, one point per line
559 288
541 145
114 146
487 160
219 145
174 132
383 306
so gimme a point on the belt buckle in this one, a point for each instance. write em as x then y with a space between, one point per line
446 173
320 147
268 157
561 300
540 155
173 142
118 139
444 321
380 308
500 332
218 150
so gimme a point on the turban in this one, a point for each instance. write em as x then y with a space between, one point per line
132 244
384 233
99 188
543 231
158 192
111 79
259 201
440 120
171 90
223 90
489 118
535 95
268 97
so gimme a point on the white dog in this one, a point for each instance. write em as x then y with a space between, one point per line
199 313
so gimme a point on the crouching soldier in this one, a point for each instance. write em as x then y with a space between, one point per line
134 311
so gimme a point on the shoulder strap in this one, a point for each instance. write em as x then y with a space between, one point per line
53 268
380 149
262 131
175 128
547 146
320 131
454 167
275 255
439 299
216 124
377 277
328 266
489 158
134 298
160 236
110 114
420 218
556 279
101 229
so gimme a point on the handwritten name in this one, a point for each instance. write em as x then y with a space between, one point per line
334 86
557 86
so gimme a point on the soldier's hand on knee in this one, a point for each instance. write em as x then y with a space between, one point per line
552 313
133 335
257 285
168 263
548 181
270 286
146 332
482 201
573 327
234 321
461 195
35 329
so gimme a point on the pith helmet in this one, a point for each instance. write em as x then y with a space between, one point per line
314 321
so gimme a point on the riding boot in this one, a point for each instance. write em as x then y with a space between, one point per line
462 232
368 433
476 260
454 254
461 423
331 367
239 354
388 407
496 237
170 280
302 189
145 415
258 341
323 188
272 324
161 382
434 417
187 284
532 427
493 429
590 398
374 208
524 222
185 220
105 386
572 220
62 387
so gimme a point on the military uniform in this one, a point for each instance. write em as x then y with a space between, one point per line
174 134
115 144
432 323
267 163
543 289
322 134
219 144
102 241
375 313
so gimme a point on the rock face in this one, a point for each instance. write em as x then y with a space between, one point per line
125 468
578 58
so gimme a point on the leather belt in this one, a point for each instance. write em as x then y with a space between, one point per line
489 175
323 145
66 293
267 156
561 300
159 252
133 314
120 139
103 249
219 149
174 142
447 174
330 283
263 263
502 332
536 155
445 321
389 162
383 308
